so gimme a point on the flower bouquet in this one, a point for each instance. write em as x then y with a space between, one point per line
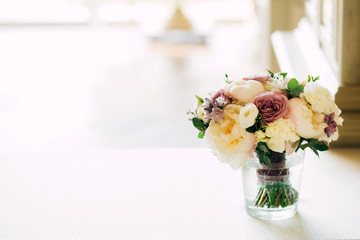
266 121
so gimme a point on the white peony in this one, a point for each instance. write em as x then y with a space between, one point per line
319 98
248 115
230 142
308 124
279 132
244 91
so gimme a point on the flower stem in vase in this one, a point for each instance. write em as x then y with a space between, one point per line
275 190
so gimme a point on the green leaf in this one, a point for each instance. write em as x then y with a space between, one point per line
286 91
312 79
258 125
318 145
266 160
200 100
199 124
294 89
227 79
292 84
201 135
251 129
304 146
300 141
314 144
315 151
263 148
270 72
264 153
283 74
292 93
299 87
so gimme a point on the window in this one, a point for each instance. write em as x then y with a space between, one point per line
323 16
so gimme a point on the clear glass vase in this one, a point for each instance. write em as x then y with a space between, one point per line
272 192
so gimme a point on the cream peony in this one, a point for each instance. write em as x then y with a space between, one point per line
248 115
308 124
244 91
278 133
319 98
230 142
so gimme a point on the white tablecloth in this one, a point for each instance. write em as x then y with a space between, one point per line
165 194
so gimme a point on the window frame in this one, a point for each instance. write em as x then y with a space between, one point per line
329 41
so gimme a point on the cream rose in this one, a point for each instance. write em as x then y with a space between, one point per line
244 91
278 133
230 142
308 124
248 115
260 136
319 98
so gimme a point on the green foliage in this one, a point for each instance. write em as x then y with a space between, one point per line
283 74
201 126
258 125
227 79
293 88
312 79
200 100
314 144
264 153
270 72
201 135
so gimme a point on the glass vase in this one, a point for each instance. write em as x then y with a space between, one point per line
272 192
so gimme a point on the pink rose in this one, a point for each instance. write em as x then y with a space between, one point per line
272 105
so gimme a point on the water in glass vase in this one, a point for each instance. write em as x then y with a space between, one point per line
271 192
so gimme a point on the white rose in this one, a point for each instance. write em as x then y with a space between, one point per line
244 91
248 115
229 141
308 124
319 98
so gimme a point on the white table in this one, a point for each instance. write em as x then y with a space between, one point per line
165 194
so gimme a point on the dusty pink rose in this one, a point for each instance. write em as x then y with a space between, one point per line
259 77
272 105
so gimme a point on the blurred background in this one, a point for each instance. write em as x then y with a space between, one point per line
117 74
123 73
